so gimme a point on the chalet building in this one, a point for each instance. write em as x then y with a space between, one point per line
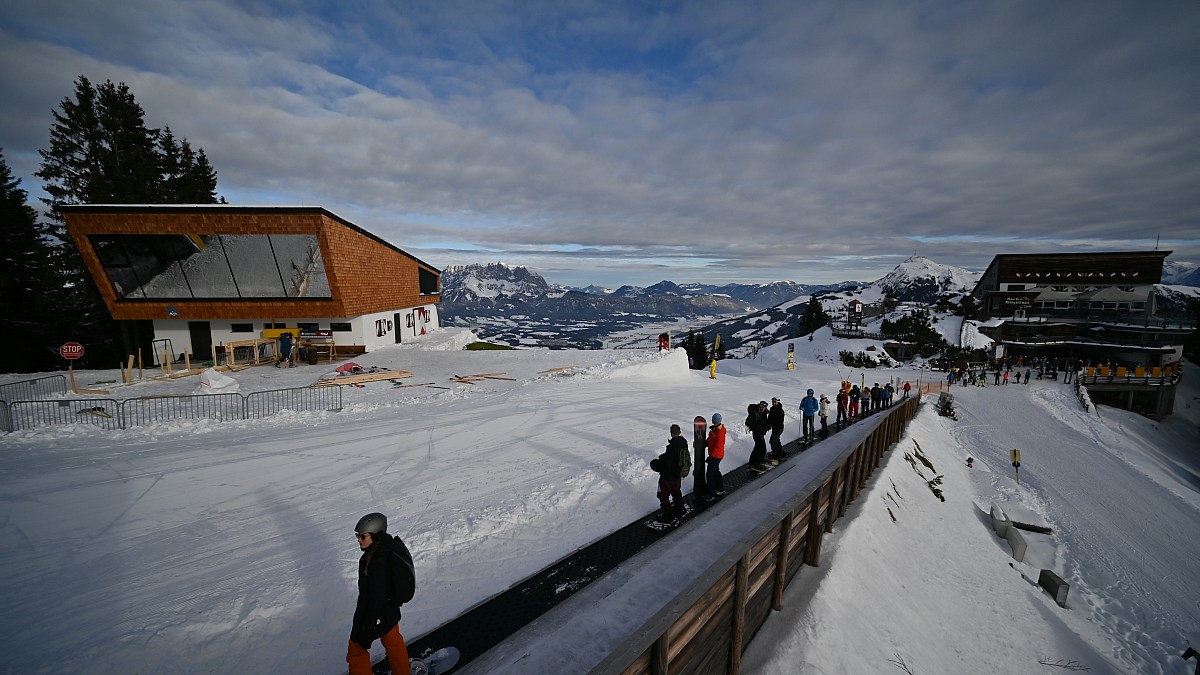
196 277
1097 309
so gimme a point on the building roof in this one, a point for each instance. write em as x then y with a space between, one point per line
1125 267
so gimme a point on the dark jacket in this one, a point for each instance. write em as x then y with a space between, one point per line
775 416
756 422
374 615
669 462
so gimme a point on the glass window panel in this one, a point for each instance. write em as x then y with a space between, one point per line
299 261
253 265
202 268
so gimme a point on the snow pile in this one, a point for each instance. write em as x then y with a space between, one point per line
672 365
213 381
972 338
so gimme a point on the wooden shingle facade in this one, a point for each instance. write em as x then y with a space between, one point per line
245 269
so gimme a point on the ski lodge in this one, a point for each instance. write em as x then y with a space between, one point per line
204 277
1098 309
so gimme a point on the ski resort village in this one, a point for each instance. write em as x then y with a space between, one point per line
600 338
1002 476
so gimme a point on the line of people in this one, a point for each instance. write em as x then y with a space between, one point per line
766 425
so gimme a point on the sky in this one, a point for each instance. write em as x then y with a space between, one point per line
627 142
228 546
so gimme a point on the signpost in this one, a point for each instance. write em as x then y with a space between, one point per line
1016 462
791 356
71 351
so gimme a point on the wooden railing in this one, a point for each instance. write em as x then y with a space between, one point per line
695 602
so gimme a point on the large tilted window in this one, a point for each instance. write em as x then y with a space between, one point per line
204 266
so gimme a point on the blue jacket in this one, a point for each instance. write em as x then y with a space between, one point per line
809 405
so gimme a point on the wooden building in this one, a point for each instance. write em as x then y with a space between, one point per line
202 275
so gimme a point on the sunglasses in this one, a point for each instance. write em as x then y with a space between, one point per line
361 535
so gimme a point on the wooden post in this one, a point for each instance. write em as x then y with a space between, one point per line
812 548
214 356
187 358
660 654
139 364
71 373
781 563
741 588
835 498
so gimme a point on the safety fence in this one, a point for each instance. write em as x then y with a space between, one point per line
39 387
706 608
108 413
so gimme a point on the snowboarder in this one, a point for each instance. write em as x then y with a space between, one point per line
376 617
669 466
842 399
823 412
808 411
716 452
775 417
757 425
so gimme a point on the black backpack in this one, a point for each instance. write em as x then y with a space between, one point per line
404 576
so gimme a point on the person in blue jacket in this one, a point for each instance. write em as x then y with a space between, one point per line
808 410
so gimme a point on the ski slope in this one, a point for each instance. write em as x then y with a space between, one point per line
210 547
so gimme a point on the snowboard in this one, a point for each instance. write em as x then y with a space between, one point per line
699 445
760 469
657 526
432 663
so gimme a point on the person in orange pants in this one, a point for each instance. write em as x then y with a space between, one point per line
376 617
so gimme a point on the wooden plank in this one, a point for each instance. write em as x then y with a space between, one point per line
658 654
738 633
556 370
364 377
785 535
699 615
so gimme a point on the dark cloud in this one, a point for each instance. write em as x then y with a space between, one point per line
813 141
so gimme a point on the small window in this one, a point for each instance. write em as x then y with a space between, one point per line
308 326
340 327
242 328
275 325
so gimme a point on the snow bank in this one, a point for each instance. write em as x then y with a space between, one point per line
672 365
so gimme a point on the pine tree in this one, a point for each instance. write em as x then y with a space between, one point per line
102 152
26 281
815 317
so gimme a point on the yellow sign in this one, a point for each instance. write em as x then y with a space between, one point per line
1016 455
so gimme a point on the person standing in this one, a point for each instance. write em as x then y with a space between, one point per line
855 394
808 411
716 453
377 614
776 417
1027 376
1006 377
823 412
757 425
907 387
285 350
842 400
669 466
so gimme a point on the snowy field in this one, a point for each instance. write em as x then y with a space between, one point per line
228 547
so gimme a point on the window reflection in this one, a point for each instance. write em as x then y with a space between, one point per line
213 266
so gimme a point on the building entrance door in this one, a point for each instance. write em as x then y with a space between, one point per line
396 324
201 334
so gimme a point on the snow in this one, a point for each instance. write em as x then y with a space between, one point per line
228 547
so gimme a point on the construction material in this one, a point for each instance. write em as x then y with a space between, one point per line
360 379
475 379
556 370
1055 586
1040 529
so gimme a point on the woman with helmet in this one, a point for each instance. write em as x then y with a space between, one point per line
377 616
716 452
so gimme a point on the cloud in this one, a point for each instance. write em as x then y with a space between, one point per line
754 137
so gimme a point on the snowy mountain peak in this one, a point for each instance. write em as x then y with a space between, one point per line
489 281
921 276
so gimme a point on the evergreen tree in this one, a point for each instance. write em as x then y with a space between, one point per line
26 282
102 152
815 317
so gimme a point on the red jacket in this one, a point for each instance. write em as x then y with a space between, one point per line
716 441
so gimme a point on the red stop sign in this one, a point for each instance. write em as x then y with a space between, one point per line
71 350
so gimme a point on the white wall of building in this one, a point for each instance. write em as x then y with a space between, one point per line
408 323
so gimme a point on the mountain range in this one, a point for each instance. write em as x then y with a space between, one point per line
515 305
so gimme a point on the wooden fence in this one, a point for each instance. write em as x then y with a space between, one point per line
704 591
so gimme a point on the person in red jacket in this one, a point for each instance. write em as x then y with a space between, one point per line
716 452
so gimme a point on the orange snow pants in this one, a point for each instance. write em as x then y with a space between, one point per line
397 654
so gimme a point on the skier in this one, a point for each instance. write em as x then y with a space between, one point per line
907 387
808 409
855 394
375 616
775 417
716 452
669 466
757 425
285 350
1027 376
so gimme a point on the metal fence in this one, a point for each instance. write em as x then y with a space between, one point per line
139 411
101 412
111 414
37 388
266 403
